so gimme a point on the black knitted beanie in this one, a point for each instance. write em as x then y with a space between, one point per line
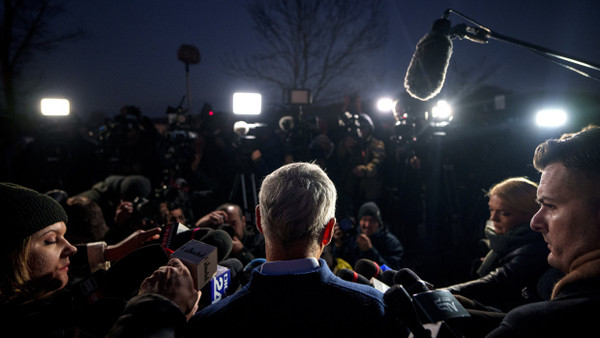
25 211
370 209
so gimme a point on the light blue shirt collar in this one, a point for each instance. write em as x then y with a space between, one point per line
290 266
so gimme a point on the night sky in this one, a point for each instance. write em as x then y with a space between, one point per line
130 54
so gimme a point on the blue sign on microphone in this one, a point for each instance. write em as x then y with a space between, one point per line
219 284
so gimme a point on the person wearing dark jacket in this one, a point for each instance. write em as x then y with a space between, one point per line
372 240
509 273
37 265
292 294
569 220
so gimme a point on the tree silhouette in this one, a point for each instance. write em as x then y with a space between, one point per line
321 45
25 32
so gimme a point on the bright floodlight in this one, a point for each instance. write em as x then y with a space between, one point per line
246 103
55 107
385 104
441 114
551 118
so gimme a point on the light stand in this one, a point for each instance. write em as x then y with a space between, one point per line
188 54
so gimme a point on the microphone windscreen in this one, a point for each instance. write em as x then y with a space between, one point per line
367 268
352 276
411 282
236 268
234 265
221 240
399 303
124 277
388 276
426 72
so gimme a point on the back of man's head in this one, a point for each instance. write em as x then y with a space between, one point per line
296 202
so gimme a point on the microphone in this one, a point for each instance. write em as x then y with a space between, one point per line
387 277
400 304
172 239
237 269
433 306
215 237
411 282
221 240
352 276
367 268
427 69
371 271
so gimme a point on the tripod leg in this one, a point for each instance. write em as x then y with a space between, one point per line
236 182
245 198
254 196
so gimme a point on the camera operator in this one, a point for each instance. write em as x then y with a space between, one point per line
125 203
360 156
129 141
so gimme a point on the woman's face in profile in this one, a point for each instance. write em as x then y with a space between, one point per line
503 216
49 252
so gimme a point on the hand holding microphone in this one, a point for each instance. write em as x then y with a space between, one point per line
174 282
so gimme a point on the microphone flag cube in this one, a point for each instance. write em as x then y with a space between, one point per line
200 258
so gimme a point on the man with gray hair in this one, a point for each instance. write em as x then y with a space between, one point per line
569 220
295 293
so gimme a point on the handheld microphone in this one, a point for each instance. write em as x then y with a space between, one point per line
426 72
352 276
433 306
200 258
237 268
367 268
221 240
371 271
400 304
172 239
387 277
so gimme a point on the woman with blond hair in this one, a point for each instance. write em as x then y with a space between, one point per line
509 273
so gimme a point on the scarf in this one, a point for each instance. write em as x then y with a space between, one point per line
584 267
501 244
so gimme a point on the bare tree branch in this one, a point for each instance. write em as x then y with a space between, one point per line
319 45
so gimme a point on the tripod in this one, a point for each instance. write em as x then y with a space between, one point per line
240 185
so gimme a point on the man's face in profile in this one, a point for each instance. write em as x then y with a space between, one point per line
566 219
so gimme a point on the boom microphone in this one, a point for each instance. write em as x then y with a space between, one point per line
427 69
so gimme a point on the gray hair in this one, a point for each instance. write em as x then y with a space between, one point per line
296 202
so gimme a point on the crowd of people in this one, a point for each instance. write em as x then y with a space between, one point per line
92 263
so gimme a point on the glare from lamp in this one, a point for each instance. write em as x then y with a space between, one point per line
551 118
247 103
241 128
54 107
385 104
442 111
